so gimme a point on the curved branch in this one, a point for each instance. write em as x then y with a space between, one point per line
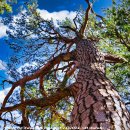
70 28
12 122
41 102
99 16
47 67
43 71
60 37
127 103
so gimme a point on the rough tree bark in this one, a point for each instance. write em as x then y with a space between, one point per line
97 103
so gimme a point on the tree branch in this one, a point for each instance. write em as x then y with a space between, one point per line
25 120
67 76
109 58
41 86
64 120
65 39
43 71
122 39
52 108
81 31
127 103
70 28
99 16
41 102
12 122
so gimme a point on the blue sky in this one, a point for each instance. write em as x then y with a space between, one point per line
51 6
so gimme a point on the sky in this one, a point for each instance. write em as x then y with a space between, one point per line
58 9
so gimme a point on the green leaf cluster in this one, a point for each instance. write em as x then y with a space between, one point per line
115 37
5 6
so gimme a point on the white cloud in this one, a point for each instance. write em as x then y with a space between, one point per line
3 29
2 65
3 94
33 64
61 15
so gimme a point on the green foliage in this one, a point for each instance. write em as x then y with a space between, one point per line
5 5
117 22
115 40
67 22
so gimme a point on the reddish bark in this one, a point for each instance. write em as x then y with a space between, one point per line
97 103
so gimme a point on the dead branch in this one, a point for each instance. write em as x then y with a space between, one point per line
127 103
8 81
60 37
70 28
12 122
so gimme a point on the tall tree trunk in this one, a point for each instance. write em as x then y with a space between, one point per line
97 103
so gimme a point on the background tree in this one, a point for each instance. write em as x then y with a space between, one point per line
117 36
67 71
